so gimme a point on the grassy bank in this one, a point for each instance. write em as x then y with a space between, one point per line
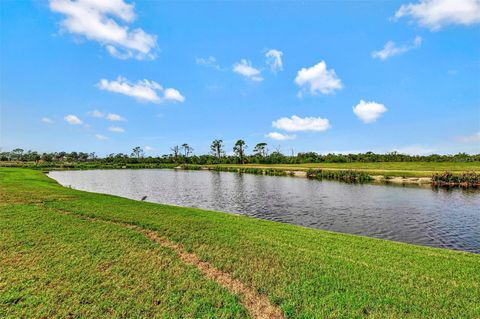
45 166
55 264
393 169
438 174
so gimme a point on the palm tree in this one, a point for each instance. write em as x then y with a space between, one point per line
217 148
176 151
239 150
137 152
187 149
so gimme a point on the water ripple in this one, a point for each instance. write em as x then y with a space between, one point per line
437 218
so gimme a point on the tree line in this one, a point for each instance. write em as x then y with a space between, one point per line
261 154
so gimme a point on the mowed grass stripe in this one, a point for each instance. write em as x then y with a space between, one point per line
257 305
60 266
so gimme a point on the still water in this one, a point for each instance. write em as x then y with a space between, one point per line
437 218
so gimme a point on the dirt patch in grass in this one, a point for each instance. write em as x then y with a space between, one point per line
257 305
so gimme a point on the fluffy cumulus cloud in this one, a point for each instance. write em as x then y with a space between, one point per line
245 68
73 119
274 60
116 129
390 49
173 95
106 22
369 112
148 148
318 79
280 137
436 14
298 124
47 120
143 90
208 62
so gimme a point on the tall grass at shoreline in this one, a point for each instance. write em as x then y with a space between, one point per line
467 179
349 176
252 170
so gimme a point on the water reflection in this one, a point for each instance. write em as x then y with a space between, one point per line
435 217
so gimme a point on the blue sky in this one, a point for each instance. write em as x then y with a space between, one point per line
315 76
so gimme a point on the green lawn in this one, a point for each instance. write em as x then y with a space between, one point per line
55 264
406 169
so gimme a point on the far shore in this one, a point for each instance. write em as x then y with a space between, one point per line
395 173
384 179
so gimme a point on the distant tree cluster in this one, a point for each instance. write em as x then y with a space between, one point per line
183 154
19 154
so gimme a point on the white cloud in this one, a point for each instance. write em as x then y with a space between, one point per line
115 117
96 113
73 119
280 137
298 124
390 49
116 129
173 95
143 90
274 60
99 21
148 148
245 68
318 79
470 138
47 120
101 137
369 112
109 116
209 62
436 14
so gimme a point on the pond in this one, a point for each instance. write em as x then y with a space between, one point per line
424 216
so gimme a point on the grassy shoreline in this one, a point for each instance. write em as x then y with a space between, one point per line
394 169
56 265
443 174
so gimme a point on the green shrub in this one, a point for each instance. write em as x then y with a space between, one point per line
349 176
466 179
